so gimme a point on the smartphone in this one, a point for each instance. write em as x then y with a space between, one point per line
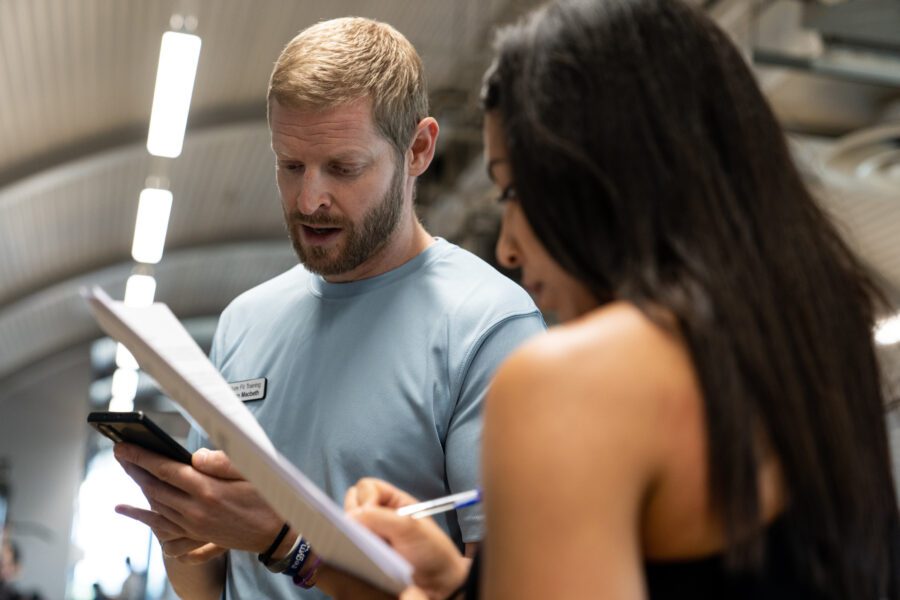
137 428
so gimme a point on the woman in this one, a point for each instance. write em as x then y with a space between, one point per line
709 421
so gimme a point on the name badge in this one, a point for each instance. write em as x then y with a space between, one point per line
250 389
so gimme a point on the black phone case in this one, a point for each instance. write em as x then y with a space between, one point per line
137 428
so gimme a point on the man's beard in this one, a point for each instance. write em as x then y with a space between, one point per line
358 244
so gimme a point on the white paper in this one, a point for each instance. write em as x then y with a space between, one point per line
166 351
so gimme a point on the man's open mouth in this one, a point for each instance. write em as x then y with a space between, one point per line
322 230
319 234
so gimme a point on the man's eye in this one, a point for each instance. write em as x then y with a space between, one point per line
344 170
290 167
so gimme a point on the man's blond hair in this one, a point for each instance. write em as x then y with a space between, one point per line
336 62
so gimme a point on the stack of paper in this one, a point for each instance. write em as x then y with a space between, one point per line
166 351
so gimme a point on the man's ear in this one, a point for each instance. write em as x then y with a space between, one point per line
421 151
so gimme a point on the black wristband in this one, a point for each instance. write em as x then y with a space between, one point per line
266 556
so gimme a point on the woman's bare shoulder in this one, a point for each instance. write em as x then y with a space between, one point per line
574 414
616 349
612 383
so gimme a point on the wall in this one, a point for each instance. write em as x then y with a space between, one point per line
43 435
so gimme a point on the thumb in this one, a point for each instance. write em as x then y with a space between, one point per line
214 463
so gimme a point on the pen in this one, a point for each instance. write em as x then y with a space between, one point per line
439 505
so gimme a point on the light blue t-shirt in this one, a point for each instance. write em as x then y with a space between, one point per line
382 377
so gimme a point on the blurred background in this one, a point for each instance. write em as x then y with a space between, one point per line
77 81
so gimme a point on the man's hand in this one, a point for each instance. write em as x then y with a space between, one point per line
173 539
199 510
439 569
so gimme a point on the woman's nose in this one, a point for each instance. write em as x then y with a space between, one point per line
506 250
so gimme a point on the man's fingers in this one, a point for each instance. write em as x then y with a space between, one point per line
171 514
228 512
164 500
164 469
203 554
161 526
180 546
142 477
190 551
172 538
157 492
215 463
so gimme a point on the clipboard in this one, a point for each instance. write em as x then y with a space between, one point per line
166 351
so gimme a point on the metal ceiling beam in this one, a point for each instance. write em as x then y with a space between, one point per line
838 64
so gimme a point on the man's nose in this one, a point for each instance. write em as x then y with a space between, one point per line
313 195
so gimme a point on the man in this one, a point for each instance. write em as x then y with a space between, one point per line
377 355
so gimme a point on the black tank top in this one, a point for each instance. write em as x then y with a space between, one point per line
707 578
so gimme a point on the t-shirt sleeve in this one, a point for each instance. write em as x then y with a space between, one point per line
463 444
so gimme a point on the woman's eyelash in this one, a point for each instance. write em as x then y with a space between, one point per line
507 193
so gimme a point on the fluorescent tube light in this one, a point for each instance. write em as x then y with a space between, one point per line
124 358
887 331
124 386
151 225
139 290
178 57
117 404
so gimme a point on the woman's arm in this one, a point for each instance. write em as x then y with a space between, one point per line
569 456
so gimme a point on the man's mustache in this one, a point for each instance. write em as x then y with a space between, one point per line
298 218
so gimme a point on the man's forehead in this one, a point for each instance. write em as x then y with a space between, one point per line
322 148
359 110
348 127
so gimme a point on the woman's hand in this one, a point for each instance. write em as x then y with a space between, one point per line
439 568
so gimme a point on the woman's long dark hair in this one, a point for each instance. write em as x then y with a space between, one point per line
649 164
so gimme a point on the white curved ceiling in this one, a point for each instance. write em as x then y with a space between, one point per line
76 83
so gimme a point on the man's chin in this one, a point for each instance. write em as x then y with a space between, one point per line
323 270
321 263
